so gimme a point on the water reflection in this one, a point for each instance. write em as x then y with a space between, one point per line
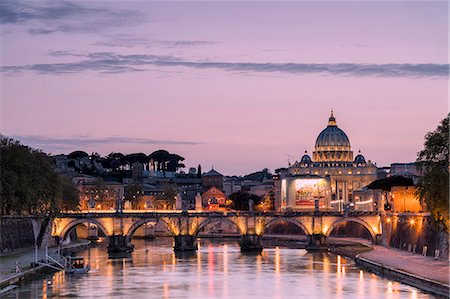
219 270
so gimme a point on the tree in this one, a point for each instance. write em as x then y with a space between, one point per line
167 200
69 199
199 171
77 155
433 163
136 157
159 159
133 193
174 162
28 182
114 161
389 182
240 200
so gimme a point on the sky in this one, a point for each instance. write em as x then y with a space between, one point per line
240 86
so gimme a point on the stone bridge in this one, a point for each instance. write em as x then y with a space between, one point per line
185 226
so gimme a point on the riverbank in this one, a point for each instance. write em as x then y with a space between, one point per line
423 272
29 270
420 271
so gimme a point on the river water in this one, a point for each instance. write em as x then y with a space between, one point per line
217 270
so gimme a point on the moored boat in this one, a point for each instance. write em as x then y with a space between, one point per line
76 265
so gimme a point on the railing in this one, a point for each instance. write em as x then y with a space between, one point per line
194 213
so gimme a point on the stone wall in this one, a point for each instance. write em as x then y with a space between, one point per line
16 233
19 233
416 233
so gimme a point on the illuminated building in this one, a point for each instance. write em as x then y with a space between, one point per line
301 192
405 199
333 159
213 199
100 196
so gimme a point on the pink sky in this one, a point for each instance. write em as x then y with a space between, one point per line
236 85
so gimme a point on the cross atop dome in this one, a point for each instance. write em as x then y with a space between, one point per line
332 120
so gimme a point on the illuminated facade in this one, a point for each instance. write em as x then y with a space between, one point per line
405 199
301 193
103 196
213 199
333 159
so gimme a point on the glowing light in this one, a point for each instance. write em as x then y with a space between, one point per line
364 202
411 221
388 220
338 264
336 201
277 260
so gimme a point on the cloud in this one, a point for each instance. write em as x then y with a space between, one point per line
128 41
107 62
59 16
80 142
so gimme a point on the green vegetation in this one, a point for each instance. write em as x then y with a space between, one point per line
29 184
133 193
432 162
240 200
166 201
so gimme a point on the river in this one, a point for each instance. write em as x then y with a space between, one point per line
217 270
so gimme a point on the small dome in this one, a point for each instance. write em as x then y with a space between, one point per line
306 158
360 158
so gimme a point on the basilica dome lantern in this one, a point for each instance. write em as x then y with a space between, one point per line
332 144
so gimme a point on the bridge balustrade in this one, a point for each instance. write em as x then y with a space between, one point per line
185 225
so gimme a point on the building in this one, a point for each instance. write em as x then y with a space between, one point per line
100 195
333 160
231 185
149 194
405 199
213 199
137 172
371 200
188 195
212 179
408 170
304 192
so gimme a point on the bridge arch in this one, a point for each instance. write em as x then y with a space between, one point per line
141 222
294 221
73 223
208 221
351 219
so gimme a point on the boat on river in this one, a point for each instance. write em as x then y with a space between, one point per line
76 265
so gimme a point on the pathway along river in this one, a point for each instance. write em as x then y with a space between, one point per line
217 270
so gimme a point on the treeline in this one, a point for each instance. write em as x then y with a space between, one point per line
29 184
160 160
433 163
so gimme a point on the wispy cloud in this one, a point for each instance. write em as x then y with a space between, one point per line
128 41
108 62
80 142
60 16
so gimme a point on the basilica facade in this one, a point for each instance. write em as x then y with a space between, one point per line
332 160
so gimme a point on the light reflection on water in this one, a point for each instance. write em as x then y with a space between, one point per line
216 270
